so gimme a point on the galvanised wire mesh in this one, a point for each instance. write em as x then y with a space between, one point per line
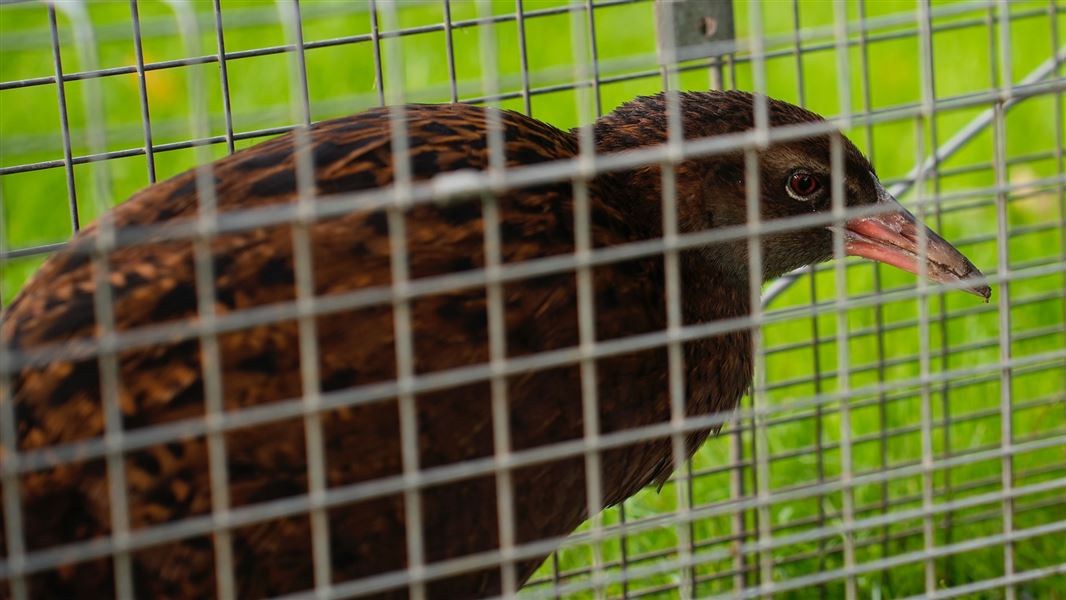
899 440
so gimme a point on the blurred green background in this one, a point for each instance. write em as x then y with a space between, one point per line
971 54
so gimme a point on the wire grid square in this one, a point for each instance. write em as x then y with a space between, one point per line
944 424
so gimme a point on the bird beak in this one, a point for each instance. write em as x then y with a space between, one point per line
892 237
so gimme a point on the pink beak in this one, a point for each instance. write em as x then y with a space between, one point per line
892 237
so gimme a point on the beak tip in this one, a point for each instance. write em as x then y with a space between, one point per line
981 287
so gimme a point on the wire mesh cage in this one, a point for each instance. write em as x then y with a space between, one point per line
899 439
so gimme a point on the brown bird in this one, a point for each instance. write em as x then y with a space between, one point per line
164 383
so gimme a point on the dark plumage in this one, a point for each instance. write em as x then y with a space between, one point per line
59 402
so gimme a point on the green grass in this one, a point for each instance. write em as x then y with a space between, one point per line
966 413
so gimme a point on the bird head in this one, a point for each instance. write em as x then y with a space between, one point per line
795 180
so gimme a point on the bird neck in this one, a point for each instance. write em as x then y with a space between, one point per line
710 292
714 280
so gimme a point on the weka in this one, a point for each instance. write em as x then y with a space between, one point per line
58 401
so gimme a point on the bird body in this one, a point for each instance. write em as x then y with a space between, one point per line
59 402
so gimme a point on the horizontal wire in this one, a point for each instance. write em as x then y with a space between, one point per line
888 433
301 504
874 399
653 71
954 202
86 347
463 184
911 358
466 184
383 582
886 114
308 45
861 543
994 583
868 25
895 326
37 459
247 417
776 586
724 507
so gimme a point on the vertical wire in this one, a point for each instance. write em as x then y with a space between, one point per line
926 115
732 62
752 183
401 306
947 526
715 73
142 86
758 72
103 302
623 540
1006 64
675 140
878 308
623 551
738 522
812 279
999 134
556 579
715 76
759 439
9 458
753 188
594 56
1006 416
1060 155
843 70
839 200
500 421
501 428
993 82
925 400
310 378
223 72
449 51
737 488
375 43
735 443
941 295
14 536
523 56
736 451
64 122
684 509
210 358
586 304
490 252
295 29
797 53
836 156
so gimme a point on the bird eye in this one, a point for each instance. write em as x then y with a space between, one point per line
802 185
